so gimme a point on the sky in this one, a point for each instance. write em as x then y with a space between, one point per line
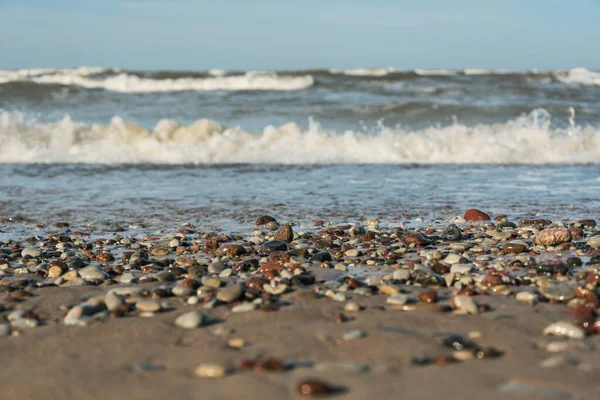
280 34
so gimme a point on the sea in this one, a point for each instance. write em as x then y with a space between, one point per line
149 151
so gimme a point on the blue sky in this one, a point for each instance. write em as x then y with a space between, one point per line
280 34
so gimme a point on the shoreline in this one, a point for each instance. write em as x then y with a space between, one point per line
368 310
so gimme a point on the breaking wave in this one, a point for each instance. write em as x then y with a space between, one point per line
529 139
581 76
115 81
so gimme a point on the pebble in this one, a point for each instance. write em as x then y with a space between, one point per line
92 273
211 371
314 388
231 293
284 234
31 251
352 253
562 293
552 237
191 320
148 306
113 301
401 275
475 215
594 242
564 328
275 288
211 281
461 268
514 247
451 232
352 306
215 267
274 245
397 299
182 291
352 335
244 307
527 297
465 304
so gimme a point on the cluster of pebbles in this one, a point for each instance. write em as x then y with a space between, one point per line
443 267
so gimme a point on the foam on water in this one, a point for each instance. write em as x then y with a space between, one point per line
128 83
364 71
581 76
529 139
435 72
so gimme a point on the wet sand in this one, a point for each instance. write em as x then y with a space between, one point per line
380 351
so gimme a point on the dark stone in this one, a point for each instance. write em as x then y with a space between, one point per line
451 233
553 267
594 260
505 225
263 220
274 245
321 256
574 261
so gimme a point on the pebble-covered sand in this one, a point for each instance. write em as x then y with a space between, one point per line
471 306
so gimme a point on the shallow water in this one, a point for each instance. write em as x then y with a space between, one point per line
229 198
109 146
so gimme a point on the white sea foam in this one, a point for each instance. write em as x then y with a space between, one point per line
581 76
526 140
364 71
435 72
30 73
476 71
128 83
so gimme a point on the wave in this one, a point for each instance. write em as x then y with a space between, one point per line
435 72
113 80
529 139
364 71
580 76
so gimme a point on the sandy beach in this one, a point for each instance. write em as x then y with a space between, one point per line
468 306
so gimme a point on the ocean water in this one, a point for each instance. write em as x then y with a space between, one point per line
218 148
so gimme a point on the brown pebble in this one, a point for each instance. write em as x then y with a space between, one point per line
314 388
429 296
476 215
270 365
263 220
284 234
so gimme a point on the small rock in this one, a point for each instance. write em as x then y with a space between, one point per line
594 242
514 247
352 335
92 273
476 215
191 320
264 220
465 304
314 388
31 252
274 245
397 299
231 293
451 232
284 234
148 306
565 328
113 301
244 307
552 237
211 371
